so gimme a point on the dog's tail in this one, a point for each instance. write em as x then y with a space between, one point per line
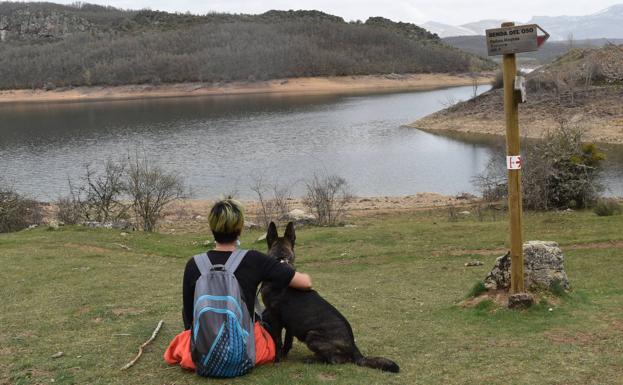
378 363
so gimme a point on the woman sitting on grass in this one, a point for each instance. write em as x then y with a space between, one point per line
226 221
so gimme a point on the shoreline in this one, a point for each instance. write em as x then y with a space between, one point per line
599 114
294 86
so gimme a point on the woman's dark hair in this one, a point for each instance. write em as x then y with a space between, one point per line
226 220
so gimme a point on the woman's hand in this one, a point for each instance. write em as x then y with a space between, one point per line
301 281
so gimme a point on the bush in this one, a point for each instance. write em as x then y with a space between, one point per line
69 211
558 172
16 211
327 197
151 188
273 200
607 207
98 195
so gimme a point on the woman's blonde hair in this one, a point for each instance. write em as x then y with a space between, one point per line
226 220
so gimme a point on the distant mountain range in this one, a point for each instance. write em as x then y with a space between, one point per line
607 23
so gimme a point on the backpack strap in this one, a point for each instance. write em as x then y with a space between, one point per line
203 263
234 260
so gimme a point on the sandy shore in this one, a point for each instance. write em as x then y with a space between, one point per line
316 85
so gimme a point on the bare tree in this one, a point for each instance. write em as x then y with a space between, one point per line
327 197
16 211
98 197
273 199
151 188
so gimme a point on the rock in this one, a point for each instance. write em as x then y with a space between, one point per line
543 265
466 213
474 263
251 225
54 224
198 217
520 301
58 355
466 196
120 224
208 243
262 237
124 234
299 216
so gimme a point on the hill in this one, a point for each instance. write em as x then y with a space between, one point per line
45 45
603 24
546 53
583 88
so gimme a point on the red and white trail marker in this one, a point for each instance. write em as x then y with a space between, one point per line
513 162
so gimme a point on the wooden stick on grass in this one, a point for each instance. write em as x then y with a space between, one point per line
140 349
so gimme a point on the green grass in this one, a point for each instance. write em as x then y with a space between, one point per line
398 279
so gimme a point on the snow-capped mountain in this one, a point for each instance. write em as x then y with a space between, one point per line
607 23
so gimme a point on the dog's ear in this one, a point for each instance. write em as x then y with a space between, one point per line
271 234
289 234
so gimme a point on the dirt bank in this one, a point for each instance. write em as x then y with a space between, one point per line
597 110
316 85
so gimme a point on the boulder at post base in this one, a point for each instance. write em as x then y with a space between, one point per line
543 265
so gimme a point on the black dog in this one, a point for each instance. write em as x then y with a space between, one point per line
309 317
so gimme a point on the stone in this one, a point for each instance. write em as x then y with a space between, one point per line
54 224
474 263
299 216
262 237
251 225
208 243
465 213
543 265
58 355
520 301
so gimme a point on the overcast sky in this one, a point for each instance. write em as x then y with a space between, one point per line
415 11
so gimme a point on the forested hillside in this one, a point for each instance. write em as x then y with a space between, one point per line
45 45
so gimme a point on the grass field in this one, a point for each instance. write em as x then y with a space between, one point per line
397 277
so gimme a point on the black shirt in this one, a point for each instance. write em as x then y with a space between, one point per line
255 268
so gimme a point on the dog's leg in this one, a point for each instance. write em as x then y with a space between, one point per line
287 343
276 327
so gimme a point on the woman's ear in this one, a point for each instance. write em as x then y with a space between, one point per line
271 234
290 234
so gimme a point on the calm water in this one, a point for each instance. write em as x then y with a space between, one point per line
220 144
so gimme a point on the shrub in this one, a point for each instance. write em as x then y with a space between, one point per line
327 197
607 207
273 200
558 172
151 188
17 212
98 195
69 211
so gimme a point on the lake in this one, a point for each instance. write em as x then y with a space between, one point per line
221 144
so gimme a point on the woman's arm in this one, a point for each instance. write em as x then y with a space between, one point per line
301 281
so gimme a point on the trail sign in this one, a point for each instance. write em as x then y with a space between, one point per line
514 39
507 41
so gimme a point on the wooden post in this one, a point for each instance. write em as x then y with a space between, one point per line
511 110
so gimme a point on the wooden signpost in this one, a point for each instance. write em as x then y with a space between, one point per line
507 41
